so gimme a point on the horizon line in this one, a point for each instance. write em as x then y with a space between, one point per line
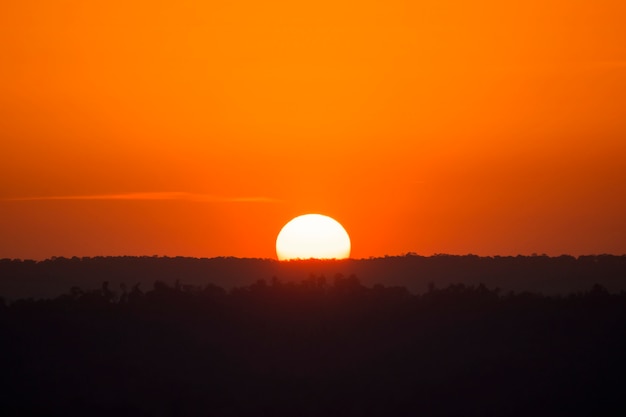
404 255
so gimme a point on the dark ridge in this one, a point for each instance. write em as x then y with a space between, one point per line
548 275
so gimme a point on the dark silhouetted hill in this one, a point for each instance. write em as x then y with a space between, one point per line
548 275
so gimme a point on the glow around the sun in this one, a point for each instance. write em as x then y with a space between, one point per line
313 236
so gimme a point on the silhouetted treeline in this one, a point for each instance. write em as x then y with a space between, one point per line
548 275
323 346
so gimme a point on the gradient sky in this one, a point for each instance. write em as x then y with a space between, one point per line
201 128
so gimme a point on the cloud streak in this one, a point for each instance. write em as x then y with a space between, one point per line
151 196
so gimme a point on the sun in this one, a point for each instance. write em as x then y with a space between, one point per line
313 236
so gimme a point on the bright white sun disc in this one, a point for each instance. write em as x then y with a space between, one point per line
313 236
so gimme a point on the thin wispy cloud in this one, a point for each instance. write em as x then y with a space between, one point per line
152 196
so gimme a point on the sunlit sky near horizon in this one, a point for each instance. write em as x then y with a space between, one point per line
201 128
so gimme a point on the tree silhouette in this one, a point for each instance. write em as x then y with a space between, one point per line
315 346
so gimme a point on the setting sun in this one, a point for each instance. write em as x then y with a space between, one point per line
439 126
317 208
313 236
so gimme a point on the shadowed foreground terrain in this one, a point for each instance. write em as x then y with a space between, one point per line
314 348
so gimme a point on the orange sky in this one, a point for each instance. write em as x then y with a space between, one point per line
200 128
